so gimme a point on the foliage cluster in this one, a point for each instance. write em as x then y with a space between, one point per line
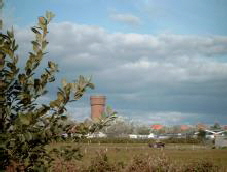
26 126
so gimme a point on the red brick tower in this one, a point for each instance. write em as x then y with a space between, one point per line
97 106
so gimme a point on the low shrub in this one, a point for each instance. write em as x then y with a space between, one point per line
161 163
182 140
147 163
117 140
202 166
139 163
225 147
101 164
129 140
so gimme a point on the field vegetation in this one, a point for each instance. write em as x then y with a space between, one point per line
139 157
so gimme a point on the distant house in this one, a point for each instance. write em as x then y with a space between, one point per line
151 136
225 127
132 136
137 136
211 134
156 127
184 127
163 136
97 135
201 126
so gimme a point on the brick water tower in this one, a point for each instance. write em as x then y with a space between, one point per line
97 106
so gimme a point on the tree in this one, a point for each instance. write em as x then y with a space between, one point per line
27 127
202 134
119 127
216 126
142 129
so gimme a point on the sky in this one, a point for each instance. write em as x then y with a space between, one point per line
156 61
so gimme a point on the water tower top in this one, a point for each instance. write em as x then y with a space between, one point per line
98 99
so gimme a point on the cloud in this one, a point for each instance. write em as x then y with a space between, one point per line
151 74
165 117
79 111
126 18
7 16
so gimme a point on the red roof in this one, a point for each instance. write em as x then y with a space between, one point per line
201 126
184 127
225 127
157 127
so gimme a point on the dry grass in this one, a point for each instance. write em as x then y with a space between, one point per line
139 163
219 157
121 155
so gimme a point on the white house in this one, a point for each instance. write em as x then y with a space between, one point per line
97 135
132 136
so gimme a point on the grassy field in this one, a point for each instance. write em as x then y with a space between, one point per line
124 152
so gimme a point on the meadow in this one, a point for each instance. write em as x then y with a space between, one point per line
124 154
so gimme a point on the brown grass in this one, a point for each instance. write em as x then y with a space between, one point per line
139 163
121 155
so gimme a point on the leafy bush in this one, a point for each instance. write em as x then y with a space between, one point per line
26 126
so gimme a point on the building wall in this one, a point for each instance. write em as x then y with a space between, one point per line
220 141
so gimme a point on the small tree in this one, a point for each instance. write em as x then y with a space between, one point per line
119 127
27 127
216 126
142 129
202 134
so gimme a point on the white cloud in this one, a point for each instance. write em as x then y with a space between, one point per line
170 117
163 117
79 111
166 72
126 18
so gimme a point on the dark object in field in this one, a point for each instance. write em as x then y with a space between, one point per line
156 145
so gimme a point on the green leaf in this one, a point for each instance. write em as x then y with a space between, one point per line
29 64
22 78
7 51
36 46
35 43
49 16
28 136
25 119
10 34
60 96
15 60
42 21
91 86
38 56
55 103
38 37
35 30
15 48
37 84
44 44
64 82
10 65
67 88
